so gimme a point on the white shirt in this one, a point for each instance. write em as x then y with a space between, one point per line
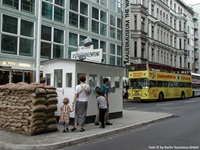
82 96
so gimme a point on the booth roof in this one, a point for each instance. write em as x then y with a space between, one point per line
76 61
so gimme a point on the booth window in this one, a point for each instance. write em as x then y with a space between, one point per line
58 78
68 79
92 80
48 79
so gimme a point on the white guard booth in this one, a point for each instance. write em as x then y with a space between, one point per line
63 74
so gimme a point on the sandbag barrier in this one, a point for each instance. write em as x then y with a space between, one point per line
28 108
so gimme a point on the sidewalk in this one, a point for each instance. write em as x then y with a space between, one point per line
56 140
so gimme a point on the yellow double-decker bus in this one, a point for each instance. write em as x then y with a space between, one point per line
156 82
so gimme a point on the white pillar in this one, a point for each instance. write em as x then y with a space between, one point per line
38 41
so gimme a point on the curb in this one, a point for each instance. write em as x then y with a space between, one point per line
59 145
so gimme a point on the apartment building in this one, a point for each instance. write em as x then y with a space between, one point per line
196 18
161 31
62 27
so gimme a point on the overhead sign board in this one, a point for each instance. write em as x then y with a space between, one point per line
93 55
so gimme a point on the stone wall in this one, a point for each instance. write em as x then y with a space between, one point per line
28 108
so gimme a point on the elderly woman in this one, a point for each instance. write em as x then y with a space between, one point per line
80 102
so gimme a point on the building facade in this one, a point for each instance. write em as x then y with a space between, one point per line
161 31
196 18
64 25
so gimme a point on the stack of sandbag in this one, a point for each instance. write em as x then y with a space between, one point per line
51 104
23 108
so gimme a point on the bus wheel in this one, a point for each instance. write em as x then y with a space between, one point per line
160 97
182 95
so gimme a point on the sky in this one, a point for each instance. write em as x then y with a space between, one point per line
191 1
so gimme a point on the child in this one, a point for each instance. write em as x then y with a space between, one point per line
102 106
64 117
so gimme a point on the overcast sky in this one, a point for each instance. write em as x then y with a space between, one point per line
191 1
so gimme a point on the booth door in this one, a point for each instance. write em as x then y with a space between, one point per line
58 83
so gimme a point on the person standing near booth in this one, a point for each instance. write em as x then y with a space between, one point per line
105 90
80 102
43 81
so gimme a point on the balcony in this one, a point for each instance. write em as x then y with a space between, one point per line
195 16
196 46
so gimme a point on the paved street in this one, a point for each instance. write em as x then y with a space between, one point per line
179 132
55 140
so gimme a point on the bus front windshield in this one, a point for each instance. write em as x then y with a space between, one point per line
138 83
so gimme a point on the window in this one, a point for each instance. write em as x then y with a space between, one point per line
59 14
92 80
112 49
12 3
95 43
95 13
9 44
47 10
27 28
10 24
60 2
27 5
112 32
103 16
112 20
48 79
83 22
113 5
58 78
58 51
78 16
103 29
68 79
119 34
45 50
73 19
26 47
95 26
58 36
84 9
46 33
74 5
103 46
70 50
112 60
73 39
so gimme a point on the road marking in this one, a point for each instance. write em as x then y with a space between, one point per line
131 108
166 104
190 101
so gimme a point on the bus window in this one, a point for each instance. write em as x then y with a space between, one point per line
159 84
170 84
152 83
138 83
175 84
165 84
